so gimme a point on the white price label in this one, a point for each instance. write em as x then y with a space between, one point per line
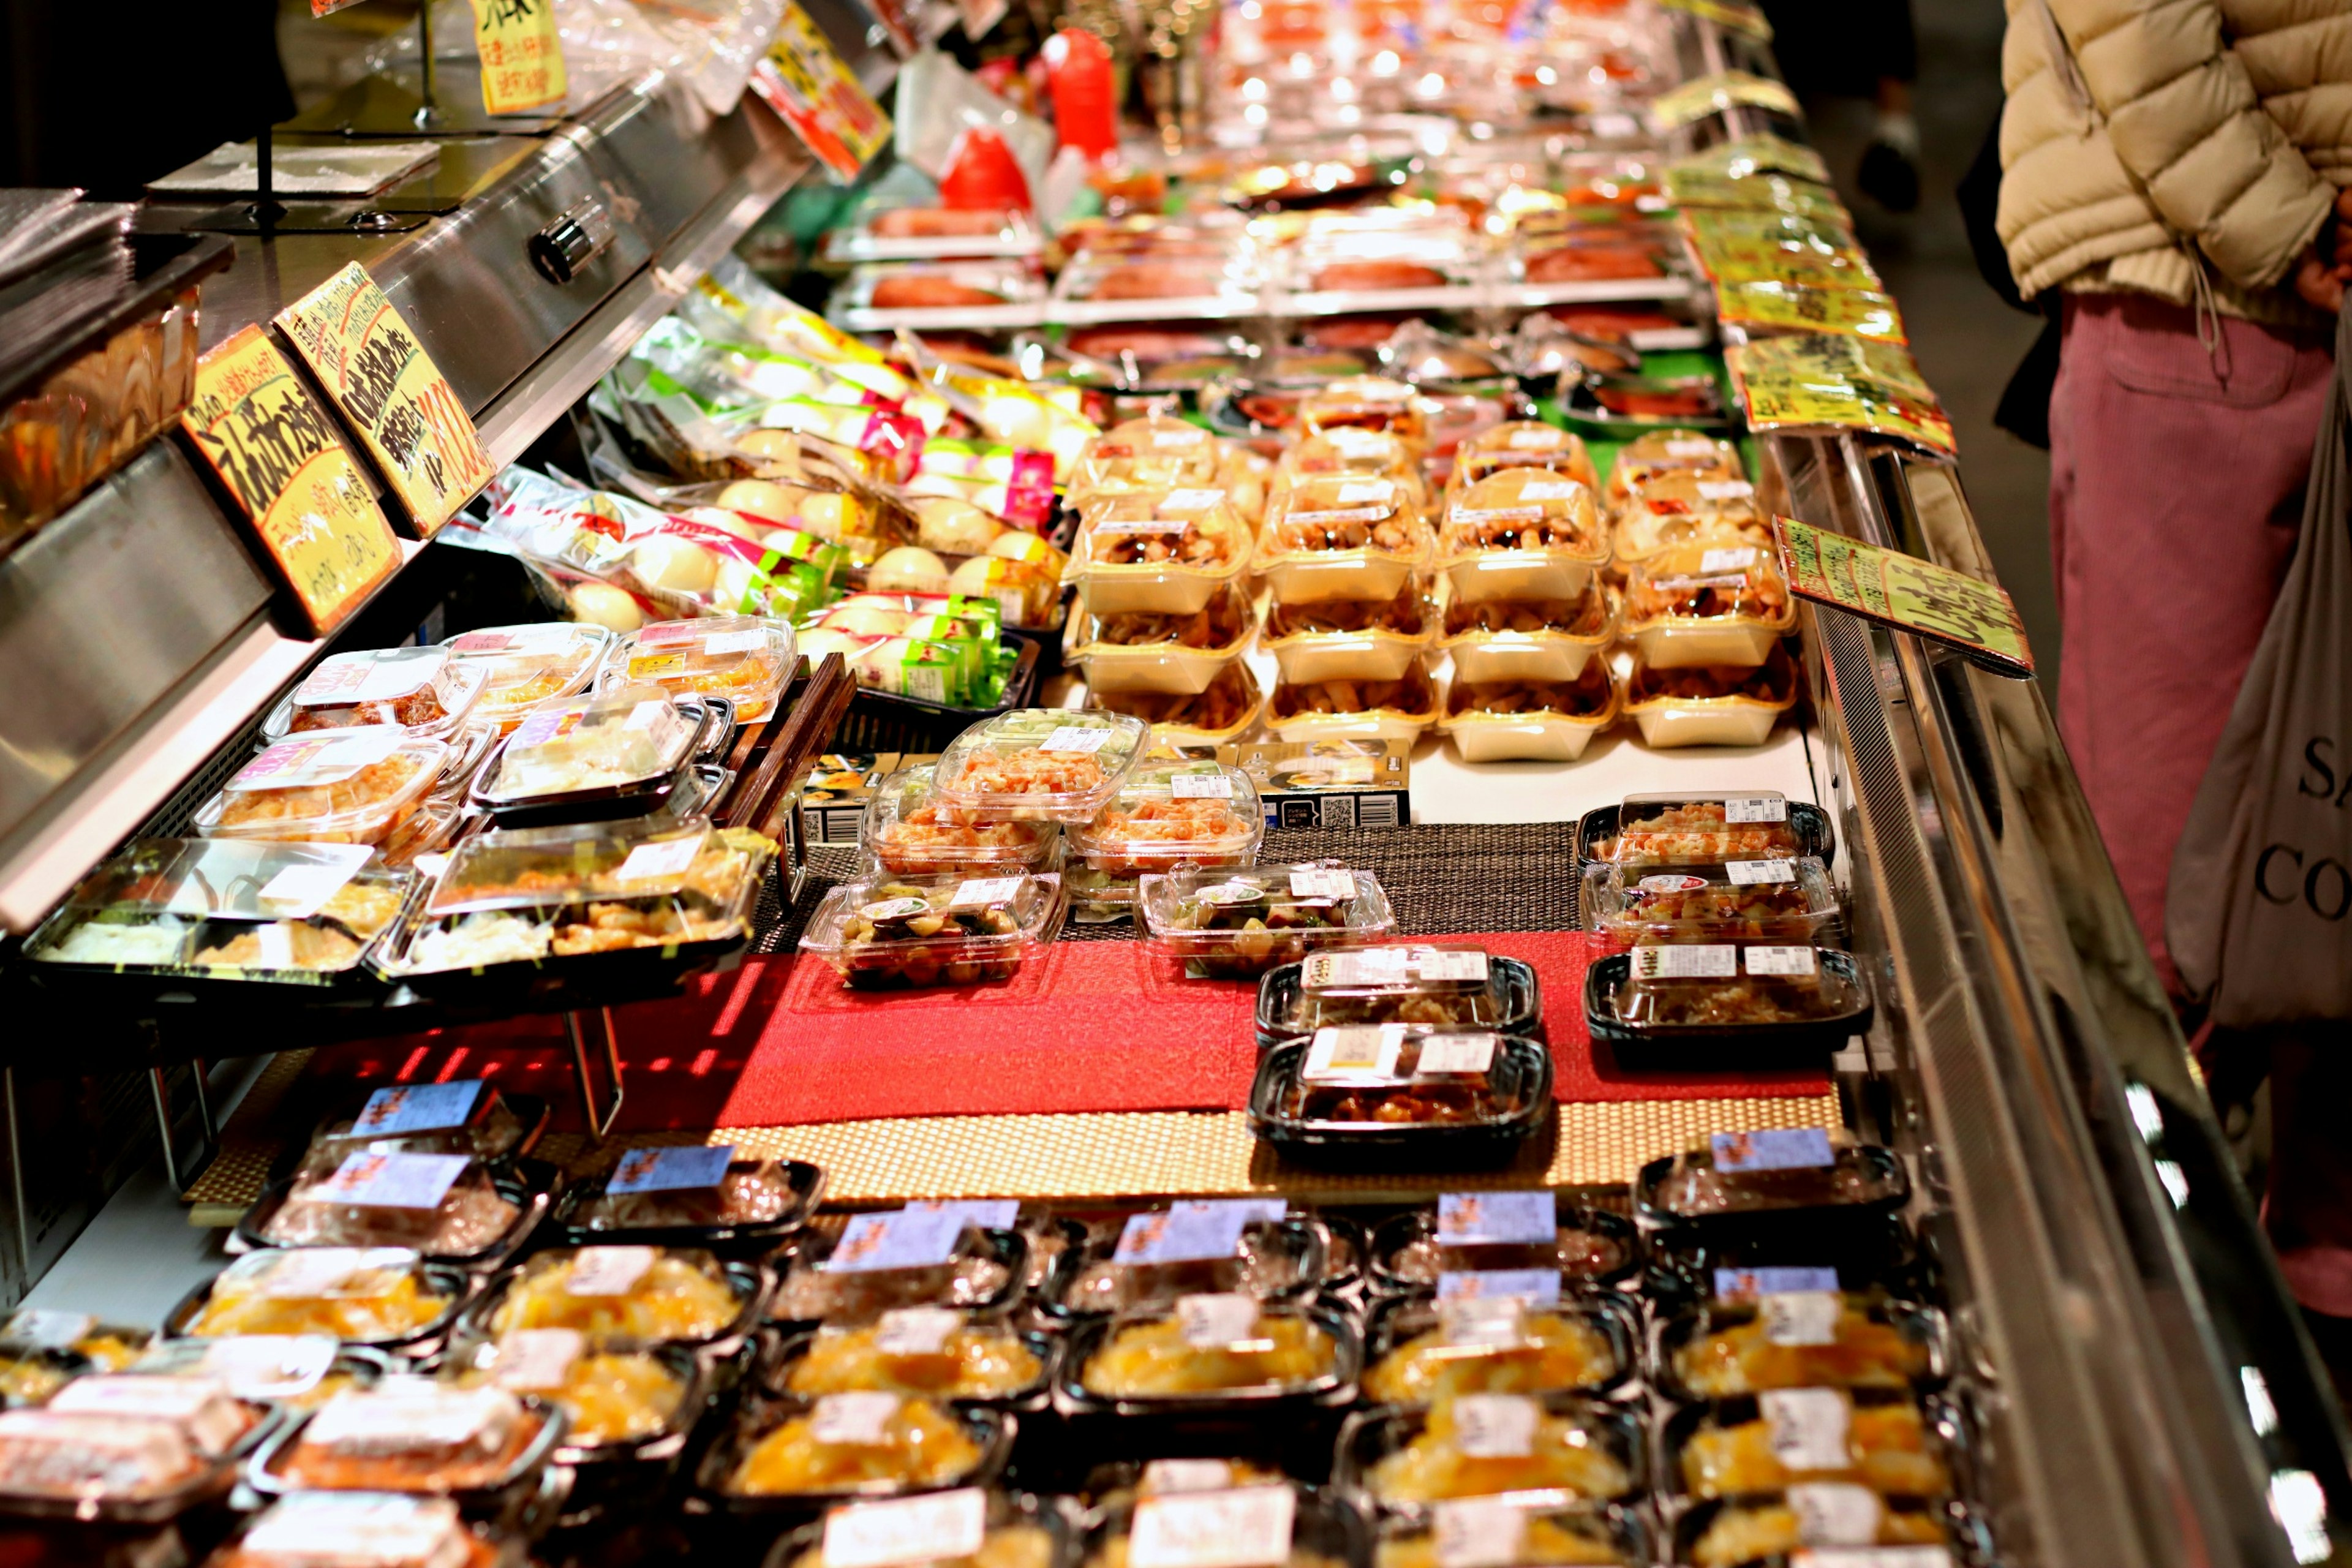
1244 1528
1190 501
1872 1557
47 1329
200 1406
916 1331
1751 873
1442 1054
1477 1532
1691 447
1536 1287
1725 489
1191 436
1082 739
1353 1053
1543 439
531 1360
296 892
313 1273
1494 1425
371 677
277 942
1756 808
1835 1513
1551 489
1322 884
407 1413
981 891
1200 786
719 643
1163 1477
607 1270
1807 1428
942 1527
327 757
1357 493
1687 961
367 1530
1483 1322
369 1179
1734 560
1217 1321
1801 1317
1114 527
1795 961
854 1420
649 862
271 1366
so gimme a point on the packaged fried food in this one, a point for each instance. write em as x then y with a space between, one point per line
866 1444
1158 452
1681 507
1348 452
1477 1444
1748 1175
1508 719
1247 1523
1338 537
933 1352
413 1435
332 786
1711 705
745 659
364 1530
1389 1096
917 1257
1523 444
1783 898
1527 639
969 1528
1170 813
1449 983
1354 710
1195 1246
691 1188
1694 829
1808 1515
1679 984
1164 552
1039 764
1784 1437
1706 605
421 692
465 1116
889 934
443 1206
1352 639
1425 1352
1802 1338
1524 533
622 739
1666 451
644 1294
611 1393
363 1295
524 665
1365 403
1510 1532
1208 1347
1225 710
909 834
1176 654
1235 924
1536 1244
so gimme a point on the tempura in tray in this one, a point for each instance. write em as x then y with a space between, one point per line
645 1294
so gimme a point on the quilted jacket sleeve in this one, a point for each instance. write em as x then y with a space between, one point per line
2183 118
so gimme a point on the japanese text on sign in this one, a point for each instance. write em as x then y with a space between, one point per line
522 59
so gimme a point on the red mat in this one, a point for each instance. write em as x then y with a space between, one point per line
1093 1026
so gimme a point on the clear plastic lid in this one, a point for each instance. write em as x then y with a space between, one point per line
1509 1532
608 1393
1483 1445
1694 829
1411 613
1454 983
333 786
1364 402
745 659
1681 506
1732 580
1236 923
1814 1337
936 1351
1424 1351
95 1458
444 1204
1332 515
1379 1077
889 934
867 1444
1348 452
1211 1347
690 1186
1665 451
534 868
360 1530
1524 444
421 692
1158 452
1193 529
916 1258
365 1295
1782 897
909 833
1040 763
644 1295
528 665
1681 984
621 737
1167 813
1771 684
1523 509
1223 626
411 1434
1770 1171
1790 1436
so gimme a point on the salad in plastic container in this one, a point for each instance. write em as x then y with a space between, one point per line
892 933
1039 764
1235 923
745 659
1691 829
1442 983
421 692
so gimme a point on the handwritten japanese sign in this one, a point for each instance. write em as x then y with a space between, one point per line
277 454
1905 593
803 79
522 59
406 413
1791 307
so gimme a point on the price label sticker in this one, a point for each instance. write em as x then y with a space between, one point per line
1772 1149
417 1108
1354 1053
1082 740
1392 966
905 1239
1687 961
1190 501
270 1366
1494 1425
1801 1317
940 1528
1496 1219
607 1270
859 1420
277 941
687 1168
385 677
916 1331
47 1328
1739 808
1477 1532
1219 1321
1725 489
981 891
1482 1322
988 1213
1756 873
532 1360
1749 1284
356 1527
1445 1055
371 1180
298 892
1182 1233
1789 960
521 53
1872 1557
1200 786
1689 448
719 643
1729 560
1835 1513
1321 884
652 862
1360 493
1543 438
1807 1428
1537 1286
1551 489
804 79
1246 1527
331 757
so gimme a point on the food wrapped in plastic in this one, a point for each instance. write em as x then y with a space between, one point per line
1530 1534
914 233
1680 507
964 1529
1157 452
1478 1445
444 1206
745 659
622 738
1527 639
1373 1085
1229 923
1461 1246
1706 605
909 834
96 1462
610 1393
41 1348
363 1295
1425 1352
1679 983
1786 898
298 1372
949 294
1039 764
1771 1441
910 1257
1711 705
1524 533
1338 537
931 1352
889 934
333 786
642 1294
411 1434
1523 444
1211 1347
1252 1522
1167 813
1364 402
1509 719
1195 1246
1165 551
1448 983
365 1529
1229 706
1701 830
467 1116
1350 453
1812 1515
868 1443
1784 1170
1179 655
1354 710
1352 639
423 693
1801 1339
524 665
691 1187
200 1409
1659 452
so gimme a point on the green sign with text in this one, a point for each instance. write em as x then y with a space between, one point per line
1905 593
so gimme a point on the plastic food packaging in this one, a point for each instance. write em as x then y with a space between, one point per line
1335 538
1694 829
298 1372
1159 552
381 1295
214 1421
1772 898
972 1528
1391 1096
526 665
1809 1515
1795 1184
1512 719
441 1205
413 1434
1680 507
1249 1524
1220 1350
41 1351
1352 639
1684 1002
1422 1351
843 1445
1168 814
642 1294
957 296
611 1395
1523 444
1801 1339
1159 452
890 933
1149 1257
905 1258
1039 764
334 786
98 1467
1229 923
464 1116
1177 655
1480 1445
1541 640
908 833
1365 403
919 234
1531 1533
1769 1441
1617 405
1443 983
1349 264
365 1529
1348 452
688 1193
931 1352
1510 1243
1354 710
1203 279
1659 452
745 659
1227 708
423 693
1521 534
1706 605
1726 705
623 742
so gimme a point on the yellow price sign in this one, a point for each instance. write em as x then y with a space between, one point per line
277 454
801 79
1792 307
1904 592
523 57
406 413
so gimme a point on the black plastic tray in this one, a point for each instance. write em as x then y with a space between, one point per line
531 1191
1277 992
1315 1246
492 1500
1372 1433
1862 1234
1331 1392
810 1249
1808 822
1719 1046
727 1240
1522 1068
1399 1231
714 731
1672 1330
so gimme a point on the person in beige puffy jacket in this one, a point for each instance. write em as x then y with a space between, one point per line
2173 167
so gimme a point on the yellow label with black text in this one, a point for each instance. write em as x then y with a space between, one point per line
523 57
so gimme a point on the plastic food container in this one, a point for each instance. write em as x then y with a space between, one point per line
1521 534
619 1400
1541 640
1225 711
1816 1515
1350 639
1616 404
1364 402
526 665
1226 1353
1229 923
1004 1530
1167 813
1666 451
890 933
449 1208
960 296
1680 507
1176 654
1769 899
336 786
1706 605
423 693
1343 539
1401 1096
909 833
1348 452
299 1372
1420 1351
366 1529
1686 1001
634 1293
797 1456
1696 830
385 1297
1354 710
1251 1524
1147 1258
99 1468
1795 1187
1039 764
1529 1244
745 659
1448 983
1801 1339
482 1447
1201 277
41 1350
1768 1442
1523 444
464 1116
690 1195
1484 1444
917 234
964 1358
1730 705
1513 720
613 753
908 1258
1159 452
1525 1534
1159 552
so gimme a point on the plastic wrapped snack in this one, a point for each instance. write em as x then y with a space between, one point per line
1697 829
691 1187
910 1258
1523 444
624 740
1679 507
1783 898
745 659
1340 538
1800 1339
1354 710
1715 604
1521 534
909 834
42 1349
1523 1534
202 1410
1438 984
1527 639
1164 552
1039 764
1477 1444
412 1435
1208 1347
1785 1436
1229 706
889 934
363 1296
932 1352
335 786
421 692
1158 452
1666 451
1229 923
1508 719
609 1394
524 665
364 1530
866 1443
1167 813
643 1294
444 1206
1352 639
467 1116
1711 705
1196 1246
96 1462
1176 654
1425 1352
1380 1094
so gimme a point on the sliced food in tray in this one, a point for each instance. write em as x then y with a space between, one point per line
935 1353
798 1455
328 786
417 1436
889 934
1766 1442
1230 1352
613 1396
385 1296
1681 1000
1480 1445
921 233
421 692
1423 1349
1783 898
636 1293
956 295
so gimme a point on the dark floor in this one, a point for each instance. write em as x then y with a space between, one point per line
1967 340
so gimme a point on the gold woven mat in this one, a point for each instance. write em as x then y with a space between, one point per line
1111 1155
